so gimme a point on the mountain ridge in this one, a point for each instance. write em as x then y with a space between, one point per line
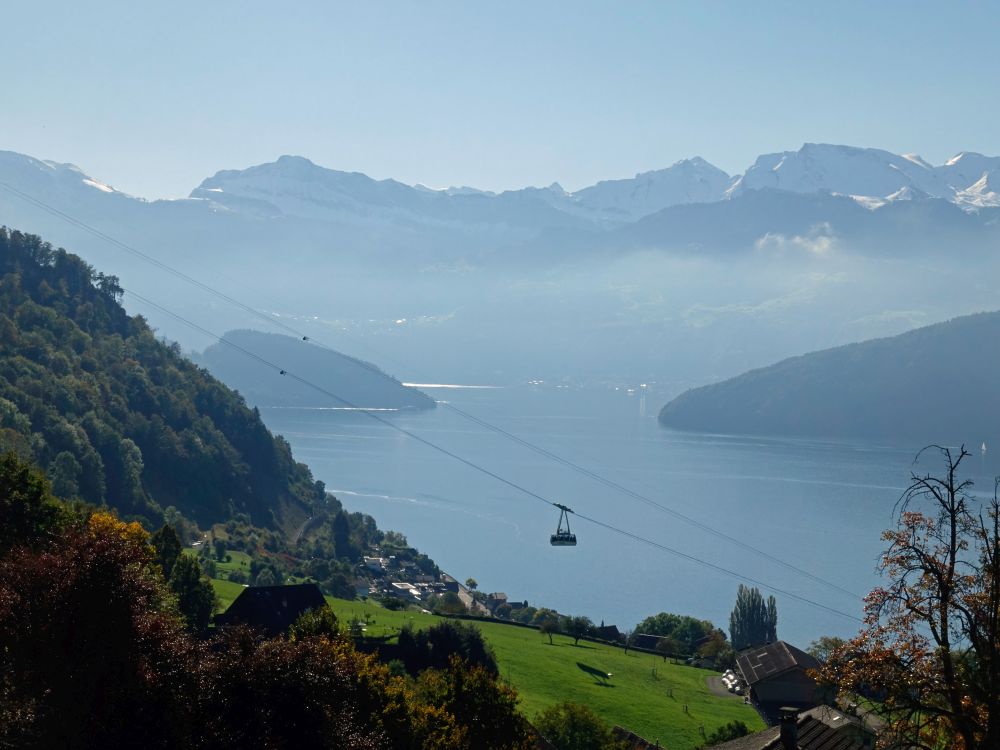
296 187
359 384
930 384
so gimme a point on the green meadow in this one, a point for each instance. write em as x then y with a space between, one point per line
655 699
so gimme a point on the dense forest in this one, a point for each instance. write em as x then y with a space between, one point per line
116 417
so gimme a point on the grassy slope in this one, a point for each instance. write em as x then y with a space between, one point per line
544 674
634 697
226 591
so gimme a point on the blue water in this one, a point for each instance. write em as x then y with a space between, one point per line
817 505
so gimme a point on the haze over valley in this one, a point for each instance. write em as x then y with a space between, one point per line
457 376
679 276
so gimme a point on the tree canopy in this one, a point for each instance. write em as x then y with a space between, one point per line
688 632
94 653
114 415
753 622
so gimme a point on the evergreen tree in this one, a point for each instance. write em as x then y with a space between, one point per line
168 548
64 471
342 536
752 622
195 595
27 510
772 620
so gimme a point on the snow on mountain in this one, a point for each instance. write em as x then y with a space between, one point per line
26 172
294 186
984 193
845 170
965 169
687 181
907 193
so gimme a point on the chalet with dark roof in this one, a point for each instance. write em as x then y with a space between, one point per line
608 632
777 676
820 728
632 741
273 609
646 641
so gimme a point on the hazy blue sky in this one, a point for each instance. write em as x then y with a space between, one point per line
154 97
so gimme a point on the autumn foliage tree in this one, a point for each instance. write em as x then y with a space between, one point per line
90 646
929 653
94 653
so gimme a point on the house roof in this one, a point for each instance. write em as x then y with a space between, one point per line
631 740
821 728
764 662
272 608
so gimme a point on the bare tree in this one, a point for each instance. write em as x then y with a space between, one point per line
930 650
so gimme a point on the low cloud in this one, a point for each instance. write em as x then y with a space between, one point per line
819 240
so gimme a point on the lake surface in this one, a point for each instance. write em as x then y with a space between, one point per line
817 505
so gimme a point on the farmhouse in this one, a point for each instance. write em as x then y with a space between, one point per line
272 609
776 675
821 728
608 632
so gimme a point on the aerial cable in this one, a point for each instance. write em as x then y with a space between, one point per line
150 259
652 503
374 415
482 469
717 568
290 329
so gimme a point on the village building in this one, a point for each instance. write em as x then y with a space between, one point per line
272 609
494 600
376 564
820 728
646 641
608 632
776 675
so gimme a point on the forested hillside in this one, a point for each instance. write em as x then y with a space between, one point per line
115 416
358 383
936 383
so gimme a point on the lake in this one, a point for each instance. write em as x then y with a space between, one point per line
819 506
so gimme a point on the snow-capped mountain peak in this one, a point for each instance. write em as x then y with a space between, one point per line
26 170
846 170
984 193
686 181
964 169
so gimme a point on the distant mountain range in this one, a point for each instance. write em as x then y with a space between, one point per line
932 384
874 177
689 205
638 269
295 186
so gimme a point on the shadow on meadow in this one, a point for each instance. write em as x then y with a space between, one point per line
600 676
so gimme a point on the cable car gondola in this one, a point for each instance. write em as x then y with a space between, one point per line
563 536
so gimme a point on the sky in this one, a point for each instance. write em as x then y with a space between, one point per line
152 98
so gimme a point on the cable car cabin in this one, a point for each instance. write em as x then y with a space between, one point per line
563 539
563 536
